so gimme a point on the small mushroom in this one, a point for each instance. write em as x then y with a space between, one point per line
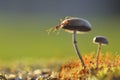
100 40
75 25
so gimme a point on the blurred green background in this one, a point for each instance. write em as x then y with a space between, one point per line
24 25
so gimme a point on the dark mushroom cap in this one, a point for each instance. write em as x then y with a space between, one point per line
78 24
100 40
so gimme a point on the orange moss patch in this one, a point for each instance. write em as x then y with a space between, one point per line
73 70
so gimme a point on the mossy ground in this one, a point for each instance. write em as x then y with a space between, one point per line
109 68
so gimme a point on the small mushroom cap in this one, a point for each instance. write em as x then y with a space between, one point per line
100 40
78 24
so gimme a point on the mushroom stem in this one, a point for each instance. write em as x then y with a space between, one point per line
76 49
98 54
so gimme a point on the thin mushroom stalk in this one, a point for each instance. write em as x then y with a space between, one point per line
98 54
76 48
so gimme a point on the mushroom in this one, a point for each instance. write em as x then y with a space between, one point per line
75 25
100 40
